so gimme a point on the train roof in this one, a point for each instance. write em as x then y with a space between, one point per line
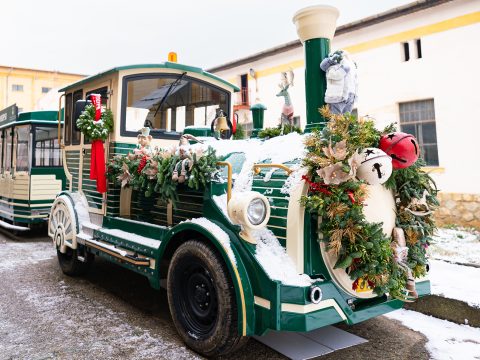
165 65
31 117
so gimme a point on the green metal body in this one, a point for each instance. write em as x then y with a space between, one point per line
315 81
250 280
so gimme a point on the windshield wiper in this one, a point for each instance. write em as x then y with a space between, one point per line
168 92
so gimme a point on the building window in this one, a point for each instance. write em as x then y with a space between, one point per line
418 118
418 45
47 151
16 87
405 51
45 89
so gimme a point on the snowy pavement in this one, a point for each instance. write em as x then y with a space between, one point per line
446 340
456 245
112 313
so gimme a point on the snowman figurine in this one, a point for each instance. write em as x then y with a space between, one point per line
375 166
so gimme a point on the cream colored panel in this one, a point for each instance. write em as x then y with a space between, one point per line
295 221
45 187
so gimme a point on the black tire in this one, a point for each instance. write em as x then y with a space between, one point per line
202 300
70 264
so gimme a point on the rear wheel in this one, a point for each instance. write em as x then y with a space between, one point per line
71 265
202 300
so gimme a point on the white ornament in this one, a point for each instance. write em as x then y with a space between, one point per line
375 167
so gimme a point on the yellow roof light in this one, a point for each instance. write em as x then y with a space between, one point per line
172 56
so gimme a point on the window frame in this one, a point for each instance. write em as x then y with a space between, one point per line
28 127
6 132
419 129
171 135
34 140
76 95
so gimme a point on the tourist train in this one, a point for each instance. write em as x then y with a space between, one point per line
31 169
238 253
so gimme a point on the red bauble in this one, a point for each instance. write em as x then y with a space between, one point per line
401 147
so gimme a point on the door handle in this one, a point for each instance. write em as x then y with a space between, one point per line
84 151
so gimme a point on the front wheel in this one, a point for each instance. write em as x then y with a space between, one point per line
202 300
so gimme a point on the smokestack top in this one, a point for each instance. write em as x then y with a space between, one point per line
317 21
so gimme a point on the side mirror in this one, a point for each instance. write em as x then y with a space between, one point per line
78 109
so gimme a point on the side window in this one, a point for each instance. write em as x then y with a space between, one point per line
168 103
77 95
68 119
22 137
8 149
47 151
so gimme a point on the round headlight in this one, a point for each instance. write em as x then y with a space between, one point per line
256 211
249 209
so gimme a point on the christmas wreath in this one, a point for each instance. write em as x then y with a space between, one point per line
95 129
162 171
336 161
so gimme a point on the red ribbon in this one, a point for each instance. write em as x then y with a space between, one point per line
316 187
97 166
97 103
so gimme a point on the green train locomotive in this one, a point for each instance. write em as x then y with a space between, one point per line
234 263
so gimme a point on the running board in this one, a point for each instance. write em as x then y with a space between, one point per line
118 253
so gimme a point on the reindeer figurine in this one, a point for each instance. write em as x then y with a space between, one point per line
287 109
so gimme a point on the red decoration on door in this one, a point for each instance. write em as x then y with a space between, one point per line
97 166
96 100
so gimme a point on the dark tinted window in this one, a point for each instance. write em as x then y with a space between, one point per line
77 95
68 119
22 139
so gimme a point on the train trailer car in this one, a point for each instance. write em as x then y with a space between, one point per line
31 168
226 226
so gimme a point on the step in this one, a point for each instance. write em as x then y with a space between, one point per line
128 241
122 254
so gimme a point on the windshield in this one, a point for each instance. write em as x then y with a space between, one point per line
169 103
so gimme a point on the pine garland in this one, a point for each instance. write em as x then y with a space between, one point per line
269 133
362 248
152 172
95 130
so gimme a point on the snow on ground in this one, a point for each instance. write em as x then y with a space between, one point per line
41 317
455 282
457 245
446 340
15 254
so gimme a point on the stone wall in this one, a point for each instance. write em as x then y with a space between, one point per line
458 209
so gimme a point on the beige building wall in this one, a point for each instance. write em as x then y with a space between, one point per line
447 72
26 87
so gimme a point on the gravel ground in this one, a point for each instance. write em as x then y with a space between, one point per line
112 313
